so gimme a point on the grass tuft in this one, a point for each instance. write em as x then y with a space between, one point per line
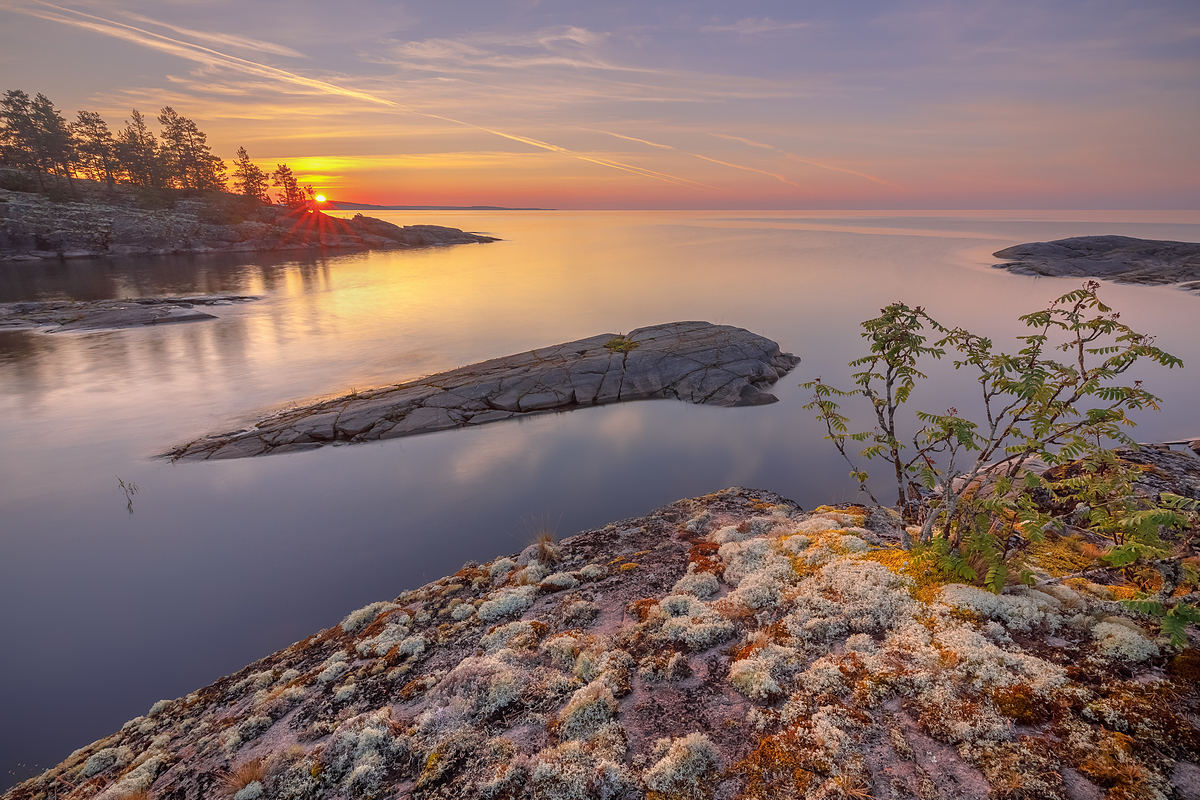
240 777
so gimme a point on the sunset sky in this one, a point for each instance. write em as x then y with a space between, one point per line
559 103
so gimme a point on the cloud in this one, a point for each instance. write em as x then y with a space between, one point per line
221 39
212 58
755 25
808 161
774 175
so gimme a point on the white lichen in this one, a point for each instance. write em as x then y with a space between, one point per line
589 708
364 616
701 584
684 764
507 602
1116 640
559 581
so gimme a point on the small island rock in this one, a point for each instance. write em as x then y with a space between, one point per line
697 362
1117 258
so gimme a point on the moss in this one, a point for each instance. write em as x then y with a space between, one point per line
1061 555
627 567
1020 703
621 344
1185 667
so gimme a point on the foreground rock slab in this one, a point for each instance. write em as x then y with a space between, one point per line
726 646
1116 258
53 316
697 362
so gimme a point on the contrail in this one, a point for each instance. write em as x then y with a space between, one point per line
697 155
205 55
808 161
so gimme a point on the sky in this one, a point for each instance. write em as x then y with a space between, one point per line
928 104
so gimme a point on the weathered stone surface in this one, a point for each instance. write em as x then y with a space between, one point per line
68 315
1116 258
34 228
729 646
697 362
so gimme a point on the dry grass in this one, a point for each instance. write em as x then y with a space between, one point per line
546 547
242 776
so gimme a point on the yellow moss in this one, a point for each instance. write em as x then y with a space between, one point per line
924 582
857 514
627 567
1061 555
1124 592
617 560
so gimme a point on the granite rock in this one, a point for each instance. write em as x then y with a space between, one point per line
53 316
696 362
1116 258
34 228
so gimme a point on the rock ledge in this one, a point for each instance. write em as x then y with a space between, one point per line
1116 258
697 362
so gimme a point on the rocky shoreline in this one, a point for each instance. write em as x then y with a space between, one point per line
726 646
1117 258
696 362
33 228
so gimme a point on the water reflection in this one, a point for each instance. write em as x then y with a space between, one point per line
224 562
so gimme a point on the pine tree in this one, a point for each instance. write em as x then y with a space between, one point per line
248 178
190 162
54 143
292 195
138 154
95 147
18 136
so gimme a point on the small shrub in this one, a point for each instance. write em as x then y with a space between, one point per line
621 344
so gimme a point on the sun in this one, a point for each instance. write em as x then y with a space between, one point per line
320 198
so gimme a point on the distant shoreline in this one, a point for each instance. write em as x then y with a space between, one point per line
339 205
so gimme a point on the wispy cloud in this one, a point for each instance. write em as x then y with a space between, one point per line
213 58
774 175
755 25
220 39
809 161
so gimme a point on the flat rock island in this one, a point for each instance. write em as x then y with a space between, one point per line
1123 259
696 362
52 316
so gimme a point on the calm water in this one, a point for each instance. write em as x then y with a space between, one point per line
102 612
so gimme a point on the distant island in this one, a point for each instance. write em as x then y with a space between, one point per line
79 190
1123 259
344 205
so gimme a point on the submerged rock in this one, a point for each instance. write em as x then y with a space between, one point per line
52 316
1117 258
696 362
733 646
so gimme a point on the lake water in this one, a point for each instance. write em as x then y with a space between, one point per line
103 612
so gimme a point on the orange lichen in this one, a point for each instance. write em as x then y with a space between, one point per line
643 608
775 768
627 567
702 556
1019 703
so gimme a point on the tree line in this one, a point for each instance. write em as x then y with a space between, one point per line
35 137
